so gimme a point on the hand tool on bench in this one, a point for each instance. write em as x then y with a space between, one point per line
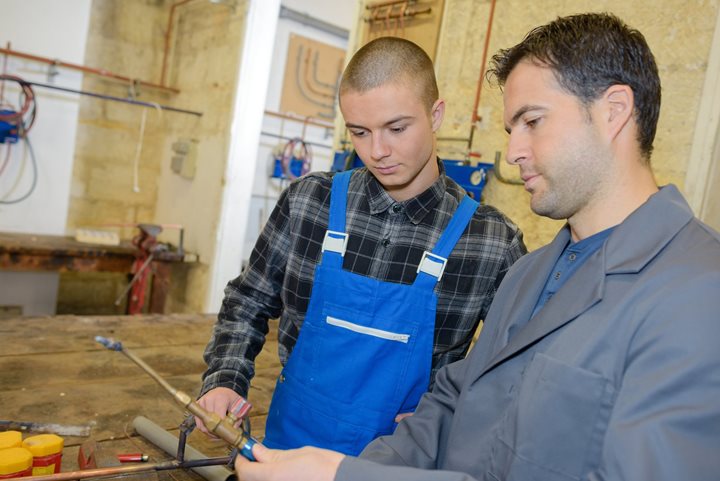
52 428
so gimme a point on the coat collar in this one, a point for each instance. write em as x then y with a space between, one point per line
646 231
630 247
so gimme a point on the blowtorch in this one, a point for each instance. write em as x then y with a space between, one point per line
224 428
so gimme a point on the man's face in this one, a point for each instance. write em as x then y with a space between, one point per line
392 133
556 143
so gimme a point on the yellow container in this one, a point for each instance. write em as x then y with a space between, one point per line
10 439
15 463
47 453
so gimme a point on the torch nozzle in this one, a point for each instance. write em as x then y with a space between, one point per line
109 343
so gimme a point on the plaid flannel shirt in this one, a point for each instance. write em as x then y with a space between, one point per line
386 241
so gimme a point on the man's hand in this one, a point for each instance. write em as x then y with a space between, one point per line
402 416
218 401
304 464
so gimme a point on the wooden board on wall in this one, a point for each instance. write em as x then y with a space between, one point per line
312 73
418 21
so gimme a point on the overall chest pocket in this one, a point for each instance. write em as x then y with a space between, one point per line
556 424
363 355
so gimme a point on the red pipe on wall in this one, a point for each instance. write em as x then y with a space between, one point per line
83 68
167 38
475 116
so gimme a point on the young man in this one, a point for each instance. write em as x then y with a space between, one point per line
379 276
599 358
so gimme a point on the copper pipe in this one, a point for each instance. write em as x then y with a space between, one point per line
304 120
167 38
374 5
403 9
4 71
136 468
83 68
408 13
475 116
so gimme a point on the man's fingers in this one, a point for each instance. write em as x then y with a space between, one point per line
263 454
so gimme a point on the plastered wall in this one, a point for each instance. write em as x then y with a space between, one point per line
128 37
678 31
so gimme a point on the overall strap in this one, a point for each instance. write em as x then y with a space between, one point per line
335 241
432 264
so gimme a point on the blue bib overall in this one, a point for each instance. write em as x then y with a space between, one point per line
365 348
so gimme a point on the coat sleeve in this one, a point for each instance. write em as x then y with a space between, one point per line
355 469
411 452
665 424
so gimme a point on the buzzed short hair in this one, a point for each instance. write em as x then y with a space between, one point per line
391 59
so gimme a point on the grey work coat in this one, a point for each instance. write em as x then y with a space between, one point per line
617 377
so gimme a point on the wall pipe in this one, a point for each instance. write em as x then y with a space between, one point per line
475 117
84 69
285 137
374 5
308 80
168 32
408 12
304 120
115 99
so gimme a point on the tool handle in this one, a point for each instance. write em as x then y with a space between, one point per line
132 458
240 408
246 448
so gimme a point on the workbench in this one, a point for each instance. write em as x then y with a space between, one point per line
53 371
34 252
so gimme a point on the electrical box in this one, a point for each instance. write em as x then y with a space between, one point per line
345 160
8 131
184 159
472 178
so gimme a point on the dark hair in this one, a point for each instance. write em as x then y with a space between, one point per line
391 59
589 53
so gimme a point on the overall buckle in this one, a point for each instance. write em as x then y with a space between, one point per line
432 264
335 242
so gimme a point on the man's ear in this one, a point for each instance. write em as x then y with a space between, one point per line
619 103
437 112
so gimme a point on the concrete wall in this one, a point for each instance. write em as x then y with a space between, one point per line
679 33
129 37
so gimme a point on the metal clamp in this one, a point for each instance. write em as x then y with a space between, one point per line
335 242
432 264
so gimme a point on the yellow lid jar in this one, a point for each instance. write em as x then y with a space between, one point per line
15 463
47 453
10 439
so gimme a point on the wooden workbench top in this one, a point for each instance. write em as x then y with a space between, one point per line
53 371
14 244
